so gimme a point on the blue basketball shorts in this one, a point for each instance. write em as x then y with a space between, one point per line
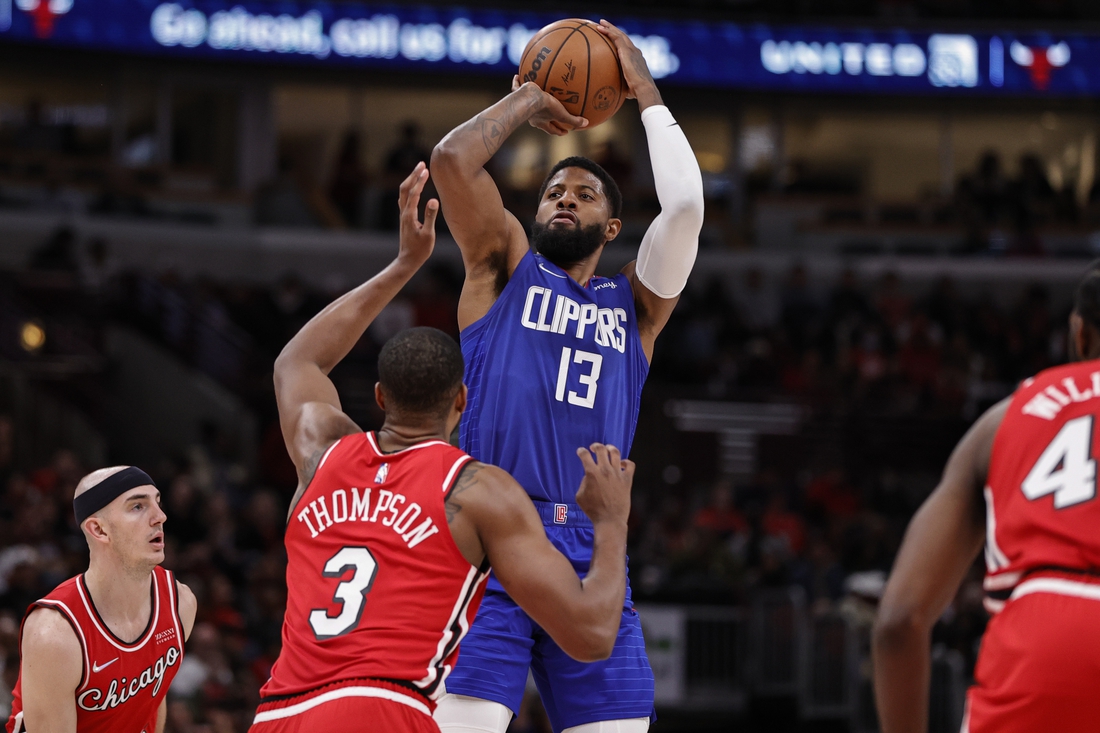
504 642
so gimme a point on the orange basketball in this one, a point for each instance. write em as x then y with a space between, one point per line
577 64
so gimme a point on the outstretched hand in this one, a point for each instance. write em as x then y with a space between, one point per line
550 115
604 494
417 239
639 81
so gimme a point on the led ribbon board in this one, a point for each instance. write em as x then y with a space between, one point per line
693 53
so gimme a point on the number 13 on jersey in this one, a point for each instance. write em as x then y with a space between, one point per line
587 378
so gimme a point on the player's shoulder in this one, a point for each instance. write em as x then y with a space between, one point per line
1056 374
47 630
486 480
188 607
475 473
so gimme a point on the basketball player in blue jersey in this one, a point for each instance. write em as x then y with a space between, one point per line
555 358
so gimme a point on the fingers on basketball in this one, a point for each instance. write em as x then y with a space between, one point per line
577 64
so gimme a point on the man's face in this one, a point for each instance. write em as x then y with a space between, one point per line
135 525
573 219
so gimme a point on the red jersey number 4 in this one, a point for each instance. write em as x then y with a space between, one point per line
1066 467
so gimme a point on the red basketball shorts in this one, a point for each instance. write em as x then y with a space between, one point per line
360 706
1039 666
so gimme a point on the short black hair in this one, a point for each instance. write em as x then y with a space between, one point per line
614 196
1086 300
420 370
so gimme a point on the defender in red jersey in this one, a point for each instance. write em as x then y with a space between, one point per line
391 533
100 651
1023 481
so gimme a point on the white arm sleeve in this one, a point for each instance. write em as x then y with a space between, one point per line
670 244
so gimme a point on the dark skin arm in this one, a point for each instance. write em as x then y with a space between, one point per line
940 546
490 515
309 408
491 239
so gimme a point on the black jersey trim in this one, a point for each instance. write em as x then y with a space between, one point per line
456 634
53 606
403 684
154 605
458 476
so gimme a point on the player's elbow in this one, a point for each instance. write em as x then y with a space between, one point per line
592 642
446 159
283 364
896 627
684 213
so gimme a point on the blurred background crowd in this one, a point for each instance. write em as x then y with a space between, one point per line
887 376
879 264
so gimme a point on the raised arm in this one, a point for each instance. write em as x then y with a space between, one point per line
669 247
940 545
491 239
50 671
309 408
582 616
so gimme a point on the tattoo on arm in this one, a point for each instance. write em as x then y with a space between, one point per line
309 469
495 130
467 477
492 134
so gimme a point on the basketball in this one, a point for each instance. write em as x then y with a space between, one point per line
576 63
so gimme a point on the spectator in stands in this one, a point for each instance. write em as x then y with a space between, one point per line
348 181
292 199
779 521
37 136
402 158
58 254
1034 197
758 304
720 516
617 165
985 196
800 308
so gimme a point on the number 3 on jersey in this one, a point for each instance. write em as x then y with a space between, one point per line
588 399
1066 468
352 593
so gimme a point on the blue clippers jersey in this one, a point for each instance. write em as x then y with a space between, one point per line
551 367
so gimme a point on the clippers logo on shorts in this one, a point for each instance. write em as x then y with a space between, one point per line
383 472
561 513
121 689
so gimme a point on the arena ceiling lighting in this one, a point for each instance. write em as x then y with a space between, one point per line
696 53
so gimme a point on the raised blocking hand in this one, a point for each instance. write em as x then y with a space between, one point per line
417 239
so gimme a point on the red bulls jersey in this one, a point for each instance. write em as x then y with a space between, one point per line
377 587
123 684
1042 509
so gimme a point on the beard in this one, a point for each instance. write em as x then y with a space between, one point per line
566 246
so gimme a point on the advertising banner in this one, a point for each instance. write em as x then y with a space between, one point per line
447 40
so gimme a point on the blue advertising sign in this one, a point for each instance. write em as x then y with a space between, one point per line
718 55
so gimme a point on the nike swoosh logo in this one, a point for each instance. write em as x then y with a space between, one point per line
97 668
551 272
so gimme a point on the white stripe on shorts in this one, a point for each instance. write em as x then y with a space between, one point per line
313 702
1060 586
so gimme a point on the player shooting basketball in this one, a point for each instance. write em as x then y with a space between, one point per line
391 532
556 358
